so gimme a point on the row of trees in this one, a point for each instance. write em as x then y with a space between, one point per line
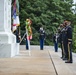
49 14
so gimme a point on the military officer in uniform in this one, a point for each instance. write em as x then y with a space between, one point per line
41 37
64 42
61 33
69 42
55 40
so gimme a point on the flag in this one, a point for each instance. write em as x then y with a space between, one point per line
17 7
17 13
16 21
14 16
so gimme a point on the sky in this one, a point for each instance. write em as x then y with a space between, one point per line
74 1
74 6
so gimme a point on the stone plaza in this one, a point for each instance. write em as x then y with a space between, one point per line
17 61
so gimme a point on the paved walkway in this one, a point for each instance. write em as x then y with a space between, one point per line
41 62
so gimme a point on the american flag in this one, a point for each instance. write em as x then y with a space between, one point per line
16 21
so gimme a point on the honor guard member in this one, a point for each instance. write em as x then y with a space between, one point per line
26 43
17 34
55 40
41 37
60 31
69 42
25 37
65 41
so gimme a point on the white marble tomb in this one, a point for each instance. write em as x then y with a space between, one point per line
8 45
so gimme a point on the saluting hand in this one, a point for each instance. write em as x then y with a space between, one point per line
69 42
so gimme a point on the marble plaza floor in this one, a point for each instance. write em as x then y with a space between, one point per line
40 62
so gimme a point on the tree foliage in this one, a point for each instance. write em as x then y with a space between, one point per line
48 13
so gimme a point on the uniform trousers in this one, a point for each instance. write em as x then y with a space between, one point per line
65 45
27 44
70 52
56 46
41 44
62 48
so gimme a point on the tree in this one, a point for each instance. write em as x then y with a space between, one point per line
47 13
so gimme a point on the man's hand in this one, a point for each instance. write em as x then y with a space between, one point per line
69 42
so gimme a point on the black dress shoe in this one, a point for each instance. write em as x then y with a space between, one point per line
41 49
61 57
68 62
56 51
64 58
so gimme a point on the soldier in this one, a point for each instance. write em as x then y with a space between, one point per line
55 40
25 37
41 37
26 41
60 31
18 37
64 41
69 42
